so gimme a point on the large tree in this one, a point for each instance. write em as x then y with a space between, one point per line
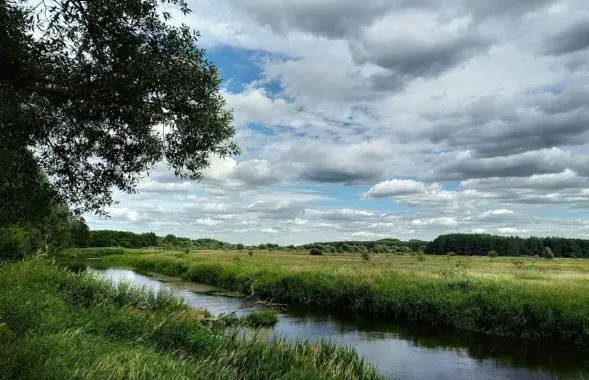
95 93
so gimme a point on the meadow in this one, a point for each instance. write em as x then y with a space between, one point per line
525 297
56 324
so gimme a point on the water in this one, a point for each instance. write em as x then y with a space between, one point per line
403 351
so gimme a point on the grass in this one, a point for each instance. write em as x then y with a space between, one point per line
85 253
55 324
531 298
261 318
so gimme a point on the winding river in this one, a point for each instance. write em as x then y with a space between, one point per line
401 351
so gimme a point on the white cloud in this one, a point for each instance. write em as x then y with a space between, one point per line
373 117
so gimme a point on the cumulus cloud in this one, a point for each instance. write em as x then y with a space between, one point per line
370 119
395 187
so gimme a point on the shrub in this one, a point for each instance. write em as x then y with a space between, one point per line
240 247
250 253
258 318
420 256
365 256
547 253
492 254
13 245
315 251
186 251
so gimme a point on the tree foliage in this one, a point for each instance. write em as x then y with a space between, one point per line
481 244
95 93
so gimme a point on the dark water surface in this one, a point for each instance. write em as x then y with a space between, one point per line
401 350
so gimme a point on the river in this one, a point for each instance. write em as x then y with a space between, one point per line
399 350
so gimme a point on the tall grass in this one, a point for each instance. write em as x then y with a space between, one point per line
61 325
90 252
538 308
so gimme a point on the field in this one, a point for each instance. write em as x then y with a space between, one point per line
55 324
528 297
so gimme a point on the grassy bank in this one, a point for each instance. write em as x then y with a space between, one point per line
55 324
521 297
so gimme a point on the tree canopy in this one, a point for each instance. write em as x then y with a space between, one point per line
95 93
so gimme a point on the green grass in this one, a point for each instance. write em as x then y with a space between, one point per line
84 253
55 324
531 298
261 318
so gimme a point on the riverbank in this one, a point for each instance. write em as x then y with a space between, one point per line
55 324
526 298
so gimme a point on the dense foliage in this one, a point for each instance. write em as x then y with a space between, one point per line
481 244
100 91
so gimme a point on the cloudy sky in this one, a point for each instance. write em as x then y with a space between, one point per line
386 118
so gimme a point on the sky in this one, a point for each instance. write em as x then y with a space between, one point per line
362 120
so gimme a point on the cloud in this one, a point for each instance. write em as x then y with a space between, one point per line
511 230
395 187
465 164
573 38
370 119
493 126
244 175
423 47
360 163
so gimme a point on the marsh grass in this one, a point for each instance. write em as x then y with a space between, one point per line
90 252
538 299
63 325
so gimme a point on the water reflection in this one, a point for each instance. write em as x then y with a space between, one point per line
407 351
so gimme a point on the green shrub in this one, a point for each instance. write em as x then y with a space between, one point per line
240 247
365 256
492 254
259 318
186 251
250 253
315 251
420 256
13 243
547 253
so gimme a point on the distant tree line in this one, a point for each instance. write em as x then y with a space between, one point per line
482 244
377 246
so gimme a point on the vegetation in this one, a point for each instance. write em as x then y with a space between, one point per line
76 326
535 299
259 318
88 84
480 244
316 251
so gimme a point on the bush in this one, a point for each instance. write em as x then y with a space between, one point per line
365 256
240 247
186 251
315 251
420 256
250 253
492 254
547 253
258 318
13 243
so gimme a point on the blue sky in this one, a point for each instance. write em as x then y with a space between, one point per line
366 120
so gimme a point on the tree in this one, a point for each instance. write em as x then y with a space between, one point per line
240 246
316 251
547 253
80 233
100 91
